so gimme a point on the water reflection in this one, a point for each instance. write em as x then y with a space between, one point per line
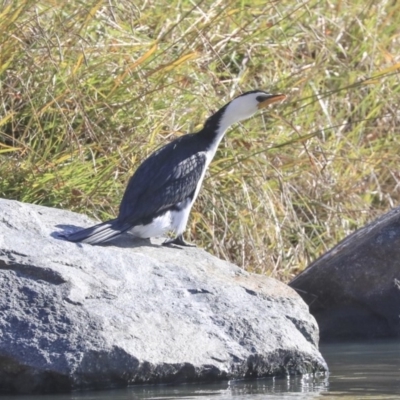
295 387
298 384
368 370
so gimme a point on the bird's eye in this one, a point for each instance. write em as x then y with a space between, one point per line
262 98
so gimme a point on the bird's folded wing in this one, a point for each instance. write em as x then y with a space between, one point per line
150 193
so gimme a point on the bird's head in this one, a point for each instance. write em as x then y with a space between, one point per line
247 104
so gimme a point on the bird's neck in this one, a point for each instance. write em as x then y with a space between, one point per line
216 126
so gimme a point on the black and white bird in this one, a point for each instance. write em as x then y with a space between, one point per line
161 193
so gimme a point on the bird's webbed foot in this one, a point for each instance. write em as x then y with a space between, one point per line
178 241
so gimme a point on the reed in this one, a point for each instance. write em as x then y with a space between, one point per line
89 89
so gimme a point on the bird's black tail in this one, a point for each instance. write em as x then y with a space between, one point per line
100 233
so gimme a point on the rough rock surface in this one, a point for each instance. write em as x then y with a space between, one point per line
76 316
354 289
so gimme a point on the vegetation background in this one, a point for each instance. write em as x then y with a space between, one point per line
88 89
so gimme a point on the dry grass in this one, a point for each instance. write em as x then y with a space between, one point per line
88 89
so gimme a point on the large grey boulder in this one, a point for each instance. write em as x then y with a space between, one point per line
79 316
354 289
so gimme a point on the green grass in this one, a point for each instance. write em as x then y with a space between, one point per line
88 89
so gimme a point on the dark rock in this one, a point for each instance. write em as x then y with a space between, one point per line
354 289
75 316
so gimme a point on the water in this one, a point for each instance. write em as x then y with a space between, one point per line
369 370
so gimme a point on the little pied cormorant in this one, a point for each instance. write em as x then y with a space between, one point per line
161 192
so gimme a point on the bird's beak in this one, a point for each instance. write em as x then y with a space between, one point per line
272 99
